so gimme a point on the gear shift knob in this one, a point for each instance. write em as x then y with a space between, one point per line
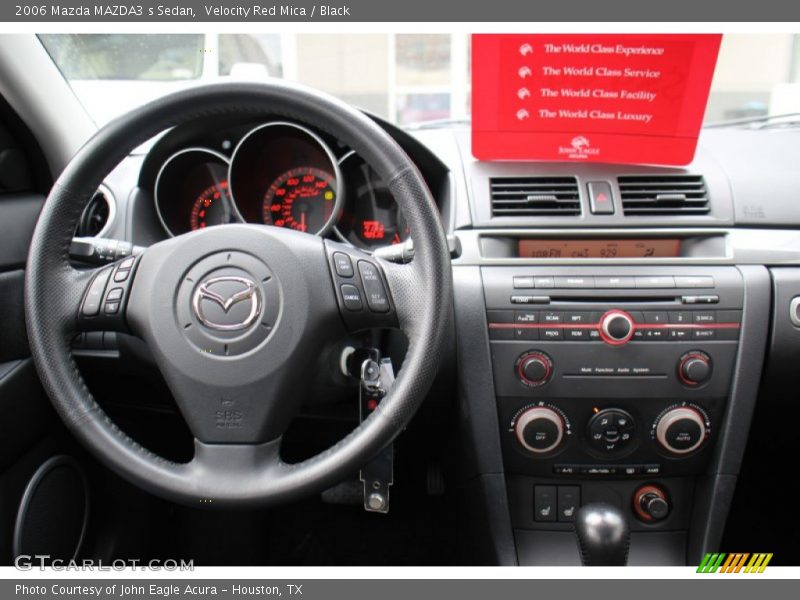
603 535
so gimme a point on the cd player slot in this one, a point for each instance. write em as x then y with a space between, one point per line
615 300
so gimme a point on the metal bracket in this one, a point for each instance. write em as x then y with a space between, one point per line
377 377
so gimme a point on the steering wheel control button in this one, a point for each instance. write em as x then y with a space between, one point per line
681 429
121 275
115 294
377 299
534 368
127 264
111 308
611 430
539 429
94 296
343 265
694 368
351 297
616 327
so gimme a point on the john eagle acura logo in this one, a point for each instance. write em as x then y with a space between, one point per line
227 303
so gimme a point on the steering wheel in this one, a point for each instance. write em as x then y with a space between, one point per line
236 315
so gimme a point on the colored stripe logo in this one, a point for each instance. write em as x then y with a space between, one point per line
736 562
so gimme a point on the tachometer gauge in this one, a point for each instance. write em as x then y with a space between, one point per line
303 199
192 192
211 207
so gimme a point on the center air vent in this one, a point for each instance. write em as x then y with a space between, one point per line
534 196
664 195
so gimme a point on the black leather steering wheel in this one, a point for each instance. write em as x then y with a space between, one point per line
235 315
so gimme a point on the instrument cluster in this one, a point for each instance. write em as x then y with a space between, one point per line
280 174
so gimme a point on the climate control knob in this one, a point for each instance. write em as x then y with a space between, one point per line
681 430
616 327
534 368
539 429
694 368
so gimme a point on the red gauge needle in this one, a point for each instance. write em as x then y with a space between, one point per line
303 222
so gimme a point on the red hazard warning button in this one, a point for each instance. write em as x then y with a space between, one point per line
601 199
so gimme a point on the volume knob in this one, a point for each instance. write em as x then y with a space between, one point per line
616 327
534 368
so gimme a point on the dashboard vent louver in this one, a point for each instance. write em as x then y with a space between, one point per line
534 196
663 195
96 215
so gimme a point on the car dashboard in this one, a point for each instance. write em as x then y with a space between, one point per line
611 322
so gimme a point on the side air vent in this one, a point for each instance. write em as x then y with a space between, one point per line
97 215
534 196
663 195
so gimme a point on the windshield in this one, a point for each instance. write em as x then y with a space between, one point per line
404 78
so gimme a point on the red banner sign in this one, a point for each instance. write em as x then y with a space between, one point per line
602 98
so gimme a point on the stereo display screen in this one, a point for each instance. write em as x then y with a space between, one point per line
599 248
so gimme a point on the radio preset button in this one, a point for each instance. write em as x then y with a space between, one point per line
578 282
704 317
658 281
526 316
694 281
551 334
614 282
656 317
544 282
522 283
680 317
526 333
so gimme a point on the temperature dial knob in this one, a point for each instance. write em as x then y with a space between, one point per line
534 368
539 429
616 327
694 368
681 430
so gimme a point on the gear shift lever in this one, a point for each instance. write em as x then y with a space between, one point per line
603 535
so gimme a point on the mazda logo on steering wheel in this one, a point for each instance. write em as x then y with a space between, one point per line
227 303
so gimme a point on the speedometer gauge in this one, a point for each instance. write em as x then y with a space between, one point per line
302 199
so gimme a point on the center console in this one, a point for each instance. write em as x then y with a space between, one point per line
611 384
